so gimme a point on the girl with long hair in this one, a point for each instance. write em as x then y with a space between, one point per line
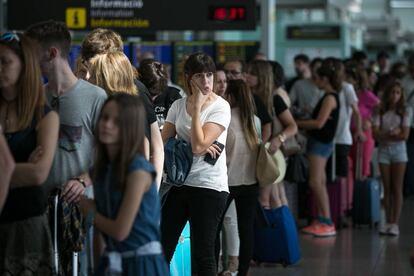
242 150
260 79
202 120
31 131
321 132
367 103
391 129
126 209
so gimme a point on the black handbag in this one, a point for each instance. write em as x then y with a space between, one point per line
297 169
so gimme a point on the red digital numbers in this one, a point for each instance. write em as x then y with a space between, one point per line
229 14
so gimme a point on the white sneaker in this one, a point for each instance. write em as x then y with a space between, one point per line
394 230
383 229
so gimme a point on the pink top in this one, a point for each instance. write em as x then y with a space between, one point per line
367 101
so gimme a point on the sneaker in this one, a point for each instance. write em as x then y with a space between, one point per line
324 230
394 230
310 229
383 229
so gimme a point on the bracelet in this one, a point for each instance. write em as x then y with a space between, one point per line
282 137
80 180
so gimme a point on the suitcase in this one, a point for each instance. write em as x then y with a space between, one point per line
54 228
366 200
181 261
291 190
276 240
336 206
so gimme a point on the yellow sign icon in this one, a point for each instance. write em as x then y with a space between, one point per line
76 18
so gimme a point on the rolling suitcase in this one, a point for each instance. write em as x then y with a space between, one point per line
181 261
366 201
276 240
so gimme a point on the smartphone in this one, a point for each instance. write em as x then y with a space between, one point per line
209 159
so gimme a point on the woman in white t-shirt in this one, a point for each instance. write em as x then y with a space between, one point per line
201 119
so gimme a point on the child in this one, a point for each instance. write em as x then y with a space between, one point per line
391 130
127 210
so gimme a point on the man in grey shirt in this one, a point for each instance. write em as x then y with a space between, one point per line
78 104
304 94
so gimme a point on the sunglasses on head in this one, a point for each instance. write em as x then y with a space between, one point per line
9 37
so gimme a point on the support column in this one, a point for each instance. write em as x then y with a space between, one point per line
268 28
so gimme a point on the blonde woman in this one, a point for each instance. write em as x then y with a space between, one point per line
105 41
114 73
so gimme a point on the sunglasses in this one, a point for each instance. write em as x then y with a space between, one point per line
9 37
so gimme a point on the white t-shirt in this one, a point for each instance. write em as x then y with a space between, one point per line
202 174
391 120
347 97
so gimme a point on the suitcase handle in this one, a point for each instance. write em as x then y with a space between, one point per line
358 162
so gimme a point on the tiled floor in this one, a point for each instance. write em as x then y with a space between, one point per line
354 252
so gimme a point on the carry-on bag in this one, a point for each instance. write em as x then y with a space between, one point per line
366 201
276 240
181 261
68 235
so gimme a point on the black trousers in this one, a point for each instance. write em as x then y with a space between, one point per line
246 199
204 208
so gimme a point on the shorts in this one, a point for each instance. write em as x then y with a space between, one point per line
392 153
314 147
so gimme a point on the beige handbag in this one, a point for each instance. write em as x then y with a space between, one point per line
267 171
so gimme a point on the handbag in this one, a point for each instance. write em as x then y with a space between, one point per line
267 171
297 169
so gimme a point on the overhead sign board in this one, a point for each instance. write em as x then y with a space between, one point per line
313 32
148 15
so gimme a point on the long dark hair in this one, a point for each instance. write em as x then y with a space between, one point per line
333 70
385 104
240 96
264 89
132 118
30 94
154 75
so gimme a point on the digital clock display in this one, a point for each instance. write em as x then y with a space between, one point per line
227 14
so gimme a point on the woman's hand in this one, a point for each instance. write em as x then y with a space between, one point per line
275 144
214 151
86 204
199 97
395 132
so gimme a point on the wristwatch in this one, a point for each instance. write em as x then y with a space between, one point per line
80 180
282 137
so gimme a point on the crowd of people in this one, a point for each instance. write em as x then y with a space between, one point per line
96 136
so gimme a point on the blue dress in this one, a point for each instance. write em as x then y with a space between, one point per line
145 228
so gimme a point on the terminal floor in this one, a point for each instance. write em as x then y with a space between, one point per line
353 252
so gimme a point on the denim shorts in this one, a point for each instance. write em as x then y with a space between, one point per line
392 153
315 147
